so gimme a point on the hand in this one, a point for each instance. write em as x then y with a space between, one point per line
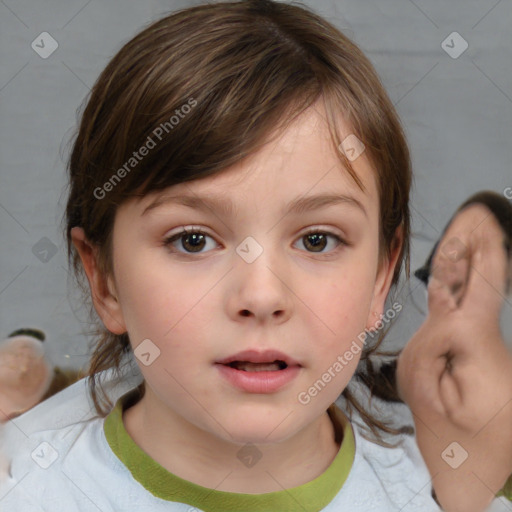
456 372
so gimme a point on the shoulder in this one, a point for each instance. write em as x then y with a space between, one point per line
71 405
399 474
55 438
394 477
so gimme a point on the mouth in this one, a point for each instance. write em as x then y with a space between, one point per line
247 366
253 371
259 361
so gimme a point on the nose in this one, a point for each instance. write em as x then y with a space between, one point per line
260 290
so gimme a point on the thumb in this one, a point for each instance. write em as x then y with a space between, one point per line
490 267
440 298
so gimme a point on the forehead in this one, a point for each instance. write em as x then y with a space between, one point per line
300 160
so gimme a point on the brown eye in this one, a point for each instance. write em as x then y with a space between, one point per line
193 242
188 241
317 241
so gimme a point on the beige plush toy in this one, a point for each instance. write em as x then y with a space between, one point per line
26 376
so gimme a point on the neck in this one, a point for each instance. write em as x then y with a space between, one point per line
204 459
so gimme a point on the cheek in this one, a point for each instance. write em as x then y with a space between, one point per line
343 303
339 338
165 304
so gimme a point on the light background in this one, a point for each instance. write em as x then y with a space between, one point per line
457 113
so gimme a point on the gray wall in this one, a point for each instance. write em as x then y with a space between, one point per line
457 113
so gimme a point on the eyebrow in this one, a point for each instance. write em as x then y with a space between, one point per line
226 207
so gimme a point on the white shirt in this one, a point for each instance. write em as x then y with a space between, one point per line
61 461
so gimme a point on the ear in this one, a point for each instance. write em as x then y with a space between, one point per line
103 292
384 279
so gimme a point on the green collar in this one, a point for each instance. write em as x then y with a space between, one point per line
310 497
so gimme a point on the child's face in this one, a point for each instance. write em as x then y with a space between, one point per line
306 297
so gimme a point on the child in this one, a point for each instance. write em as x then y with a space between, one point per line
238 201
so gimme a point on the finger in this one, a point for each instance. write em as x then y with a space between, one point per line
501 209
419 371
450 390
451 264
441 300
488 273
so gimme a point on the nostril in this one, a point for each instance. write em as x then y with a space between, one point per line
245 312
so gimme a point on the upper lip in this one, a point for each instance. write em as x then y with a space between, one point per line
258 356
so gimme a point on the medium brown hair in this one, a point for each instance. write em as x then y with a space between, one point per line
250 67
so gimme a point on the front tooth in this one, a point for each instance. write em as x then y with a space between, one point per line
258 367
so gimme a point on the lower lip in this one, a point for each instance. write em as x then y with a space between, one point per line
259 382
